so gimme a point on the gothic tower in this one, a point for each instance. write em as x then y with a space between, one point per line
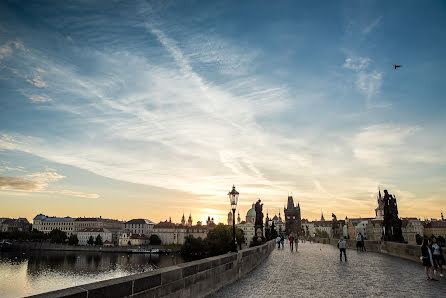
293 221
189 221
183 220
229 218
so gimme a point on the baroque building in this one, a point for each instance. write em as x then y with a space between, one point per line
293 224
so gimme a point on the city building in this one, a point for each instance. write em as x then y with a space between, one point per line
308 228
230 218
411 227
112 225
279 225
436 228
293 224
20 224
248 226
140 226
127 238
46 224
84 234
171 233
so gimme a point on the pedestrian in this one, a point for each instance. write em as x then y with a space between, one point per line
426 257
358 242
437 256
291 239
282 240
362 243
278 241
341 245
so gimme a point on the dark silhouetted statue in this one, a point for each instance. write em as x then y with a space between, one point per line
392 223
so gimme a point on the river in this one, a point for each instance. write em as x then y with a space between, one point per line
34 272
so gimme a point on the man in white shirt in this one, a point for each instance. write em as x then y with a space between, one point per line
342 245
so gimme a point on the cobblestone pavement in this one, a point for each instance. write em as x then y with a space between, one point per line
315 271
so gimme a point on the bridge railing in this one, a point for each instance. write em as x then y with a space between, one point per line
193 279
402 250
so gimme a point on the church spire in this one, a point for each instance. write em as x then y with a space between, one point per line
322 216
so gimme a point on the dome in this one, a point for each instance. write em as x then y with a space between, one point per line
251 212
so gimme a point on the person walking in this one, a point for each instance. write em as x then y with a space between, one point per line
282 240
278 241
362 243
342 245
358 242
291 239
437 256
426 257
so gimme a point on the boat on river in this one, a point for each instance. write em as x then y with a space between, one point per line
145 250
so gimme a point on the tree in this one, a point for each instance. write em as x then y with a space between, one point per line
98 240
321 234
193 248
240 236
73 240
90 241
155 240
57 236
219 240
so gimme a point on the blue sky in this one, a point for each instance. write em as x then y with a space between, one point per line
164 105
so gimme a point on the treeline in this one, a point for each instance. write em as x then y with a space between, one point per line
55 236
217 242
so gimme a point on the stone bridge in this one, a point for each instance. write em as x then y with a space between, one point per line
314 270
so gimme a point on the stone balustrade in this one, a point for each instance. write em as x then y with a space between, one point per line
193 279
402 250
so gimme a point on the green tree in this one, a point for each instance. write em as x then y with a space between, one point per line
219 240
321 234
240 236
57 236
90 241
193 248
98 240
155 240
73 240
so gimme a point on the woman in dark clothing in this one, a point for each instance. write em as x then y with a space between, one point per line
427 259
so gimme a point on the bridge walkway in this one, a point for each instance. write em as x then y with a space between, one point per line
315 271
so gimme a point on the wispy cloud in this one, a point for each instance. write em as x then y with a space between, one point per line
8 48
374 24
37 81
18 183
39 98
367 81
357 63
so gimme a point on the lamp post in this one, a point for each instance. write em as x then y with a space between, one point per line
233 198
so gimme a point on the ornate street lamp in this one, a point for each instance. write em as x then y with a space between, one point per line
233 199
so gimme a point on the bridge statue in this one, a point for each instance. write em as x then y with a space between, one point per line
335 227
392 224
258 228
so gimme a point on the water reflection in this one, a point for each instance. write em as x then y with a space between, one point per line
35 272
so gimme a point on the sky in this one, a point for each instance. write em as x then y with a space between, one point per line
152 109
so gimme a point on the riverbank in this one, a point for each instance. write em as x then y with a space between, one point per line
26 245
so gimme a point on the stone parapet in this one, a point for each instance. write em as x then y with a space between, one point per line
402 250
193 279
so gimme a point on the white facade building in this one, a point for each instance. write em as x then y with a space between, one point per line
84 235
139 226
46 224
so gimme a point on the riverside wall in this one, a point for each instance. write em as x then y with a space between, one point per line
401 250
193 279
28 245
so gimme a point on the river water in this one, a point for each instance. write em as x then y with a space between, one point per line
34 272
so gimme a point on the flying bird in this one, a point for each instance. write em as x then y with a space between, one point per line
396 66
